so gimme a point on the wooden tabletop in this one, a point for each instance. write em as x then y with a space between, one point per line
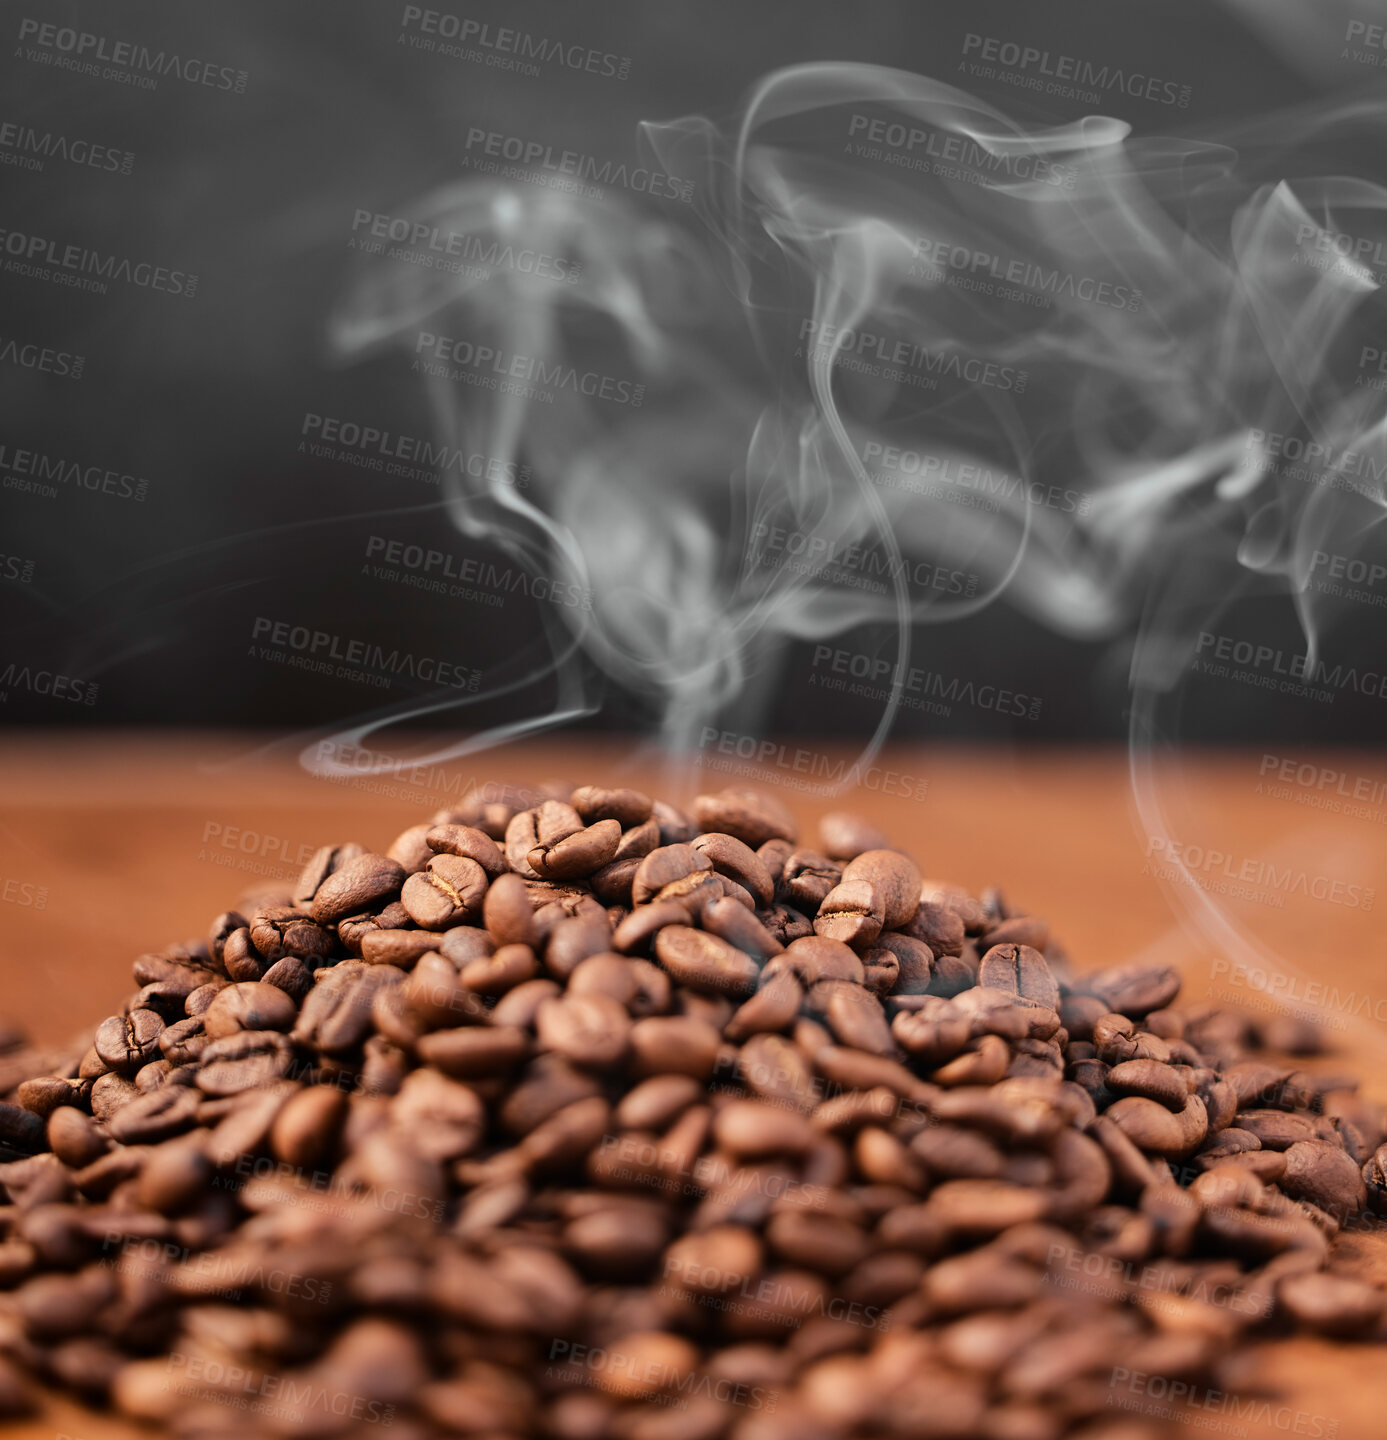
1258 874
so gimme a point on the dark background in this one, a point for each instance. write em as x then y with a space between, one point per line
254 192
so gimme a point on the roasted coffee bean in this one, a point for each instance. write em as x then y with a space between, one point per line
704 962
280 930
1325 1176
326 861
448 891
626 807
845 836
364 883
469 843
852 912
590 1029
1135 990
938 926
731 857
1332 1304
475 1051
576 854
249 1007
805 877
126 1042
159 1115
246 1060
1021 969
1149 1078
748 815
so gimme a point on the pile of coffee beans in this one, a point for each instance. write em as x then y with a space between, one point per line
574 1115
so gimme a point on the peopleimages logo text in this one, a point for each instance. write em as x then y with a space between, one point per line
83 46
907 355
1028 58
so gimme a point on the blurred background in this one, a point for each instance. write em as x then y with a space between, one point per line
262 267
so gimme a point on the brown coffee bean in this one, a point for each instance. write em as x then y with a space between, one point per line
852 913
468 843
280 930
845 836
305 1129
749 815
773 1007
1325 1176
733 858
657 1102
626 807
401 948
251 1006
246 1060
777 1070
704 962
475 1051
448 891
1149 1078
591 1029
674 1045
510 966
1028 930
666 866
935 1032
1153 1128
162 1113
126 1042
1331 1304
1021 969
984 1207
854 1015
1276 1129
336 1013
507 912
939 926
577 854
984 1062
364 883
1134 990
74 1139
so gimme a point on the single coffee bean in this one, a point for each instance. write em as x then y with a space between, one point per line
575 855
410 849
469 843
938 925
852 912
1324 1175
704 962
475 1051
1331 1304
243 1061
626 807
126 1042
845 836
1023 970
361 884
747 815
74 1139
449 890
20 1129
1149 1078
326 861
674 1045
280 930
146 1119
738 861
249 1007
591 1029
1135 990
805 877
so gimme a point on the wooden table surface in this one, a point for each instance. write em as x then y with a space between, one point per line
114 845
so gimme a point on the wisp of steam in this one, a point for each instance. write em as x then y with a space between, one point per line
891 333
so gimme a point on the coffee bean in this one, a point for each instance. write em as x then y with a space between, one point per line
146 1119
280 930
1149 1078
1331 1304
845 836
448 891
731 857
577 854
126 1042
591 1029
326 861
475 1051
1135 990
20 1129
246 1060
804 878
1023 970
1325 1176
361 884
852 913
704 962
748 815
626 807
249 1007
674 1045
939 926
